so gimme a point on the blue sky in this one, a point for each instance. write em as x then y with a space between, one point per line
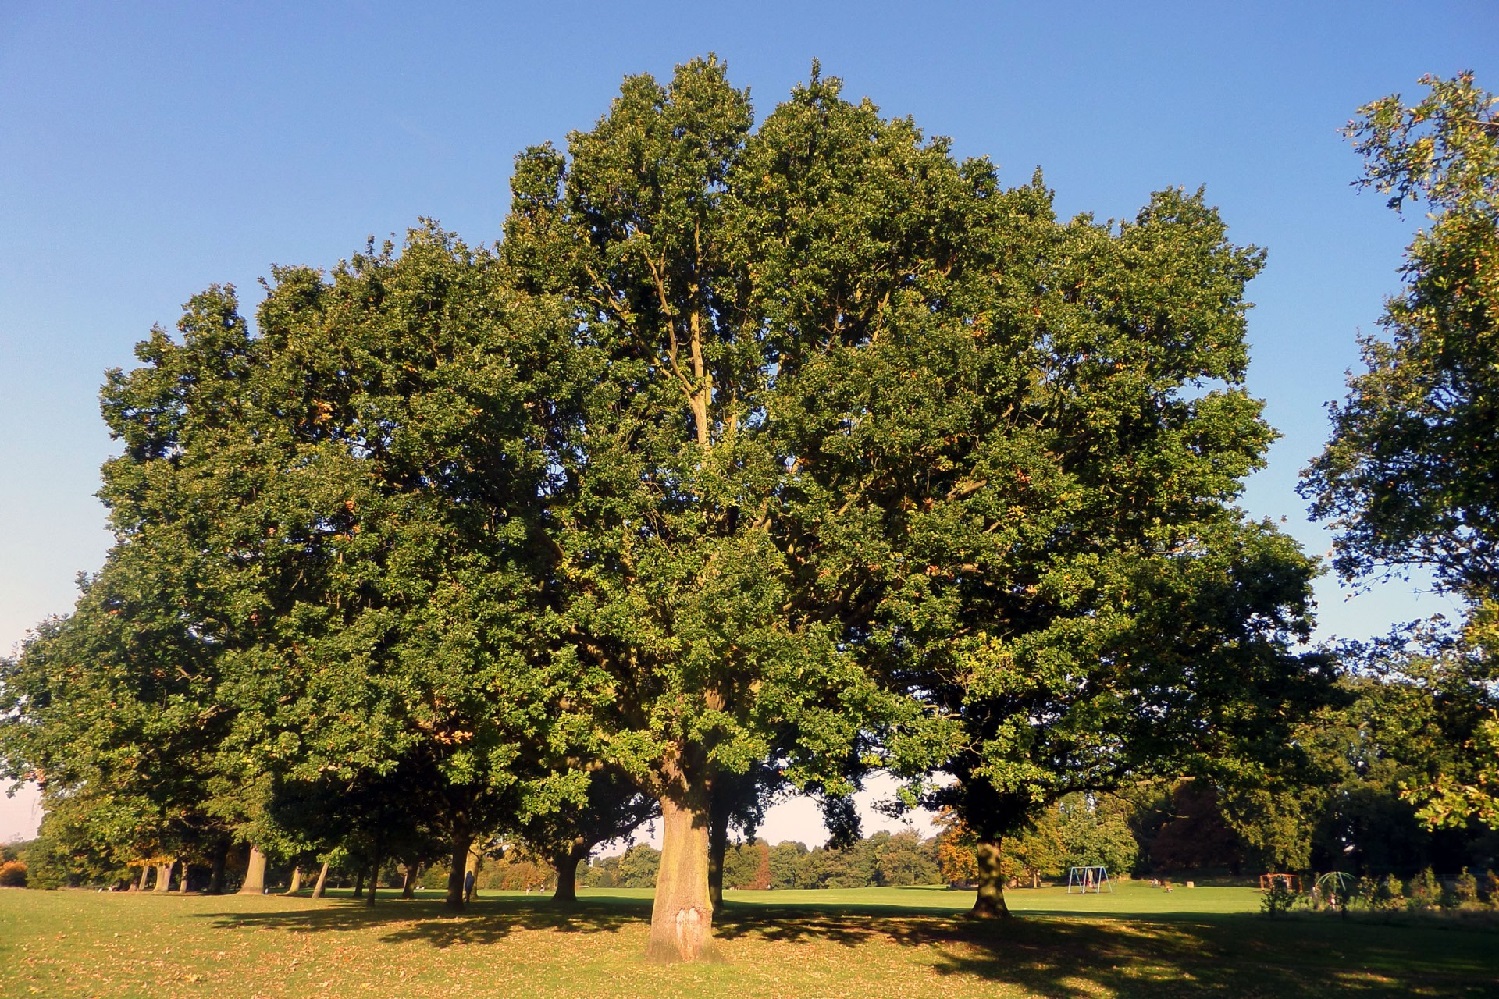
150 149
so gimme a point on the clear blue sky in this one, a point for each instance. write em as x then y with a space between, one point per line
150 149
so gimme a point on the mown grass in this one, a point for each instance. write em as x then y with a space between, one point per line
867 942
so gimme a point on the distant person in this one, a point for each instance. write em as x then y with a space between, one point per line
468 887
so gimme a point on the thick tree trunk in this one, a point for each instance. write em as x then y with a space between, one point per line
182 885
374 880
359 883
990 903
718 847
164 876
682 916
322 882
254 874
216 869
457 867
145 870
296 880
566 862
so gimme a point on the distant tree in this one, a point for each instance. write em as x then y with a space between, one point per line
1184 829
955 849
787 868
567 830
639 867
904 858
747 866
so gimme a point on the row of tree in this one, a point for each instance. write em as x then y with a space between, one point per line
750 458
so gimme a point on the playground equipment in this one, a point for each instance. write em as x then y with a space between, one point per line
1086 879
1290 882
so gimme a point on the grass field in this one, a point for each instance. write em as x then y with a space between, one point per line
885 943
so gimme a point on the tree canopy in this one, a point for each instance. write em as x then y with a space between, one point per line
752 456
1407 477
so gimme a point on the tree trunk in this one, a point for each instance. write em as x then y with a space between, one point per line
457 867
718 847
182 885
322 882
471 865
990 903
254 874
296 880
566 862
219 862
374 880
359 883
682 915
164 876
145 870
408 884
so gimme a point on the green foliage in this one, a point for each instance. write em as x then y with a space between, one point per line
747 866
1181 827
1423 892
884 859
779 453
1465 889
1405 477
1388 894
1278 899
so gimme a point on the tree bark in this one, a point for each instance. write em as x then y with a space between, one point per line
216 869
145 870
164 876
359 883
566 862
718 848
296 880
457 867
682 915
990 903
182 885
374 880
254 874
408 883
322 882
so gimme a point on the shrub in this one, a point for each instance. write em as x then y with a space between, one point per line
1389 895
12 874
1423 891
1489 888
1278 898
1465 889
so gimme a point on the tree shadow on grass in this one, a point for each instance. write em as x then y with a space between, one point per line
483 921
1234 955
1231 955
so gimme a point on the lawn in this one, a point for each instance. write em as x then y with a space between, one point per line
887 943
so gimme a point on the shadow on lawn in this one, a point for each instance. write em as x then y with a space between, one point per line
485 921
1232 955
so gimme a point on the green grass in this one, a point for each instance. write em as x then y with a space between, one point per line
887 943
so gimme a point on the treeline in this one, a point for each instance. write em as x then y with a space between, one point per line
755 456
883 859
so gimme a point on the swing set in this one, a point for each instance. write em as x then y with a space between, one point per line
1086 879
